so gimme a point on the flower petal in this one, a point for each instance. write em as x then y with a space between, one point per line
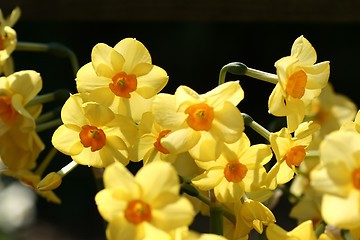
87 80
27 83
152 83
67 140
304 51
227 92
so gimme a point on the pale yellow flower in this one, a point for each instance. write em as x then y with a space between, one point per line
290 152
145 206
123 77
300 81
92 134
338 177
239 169
200 124
304 231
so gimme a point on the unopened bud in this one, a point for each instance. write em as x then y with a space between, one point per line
49 182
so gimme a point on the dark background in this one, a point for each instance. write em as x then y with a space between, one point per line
191 40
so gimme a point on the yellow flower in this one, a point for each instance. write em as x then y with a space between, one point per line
238 169
144 206
183 233
304 231
300 81
200 124
338 177
122 77
252 215
92 134
31 180
290 152
7 38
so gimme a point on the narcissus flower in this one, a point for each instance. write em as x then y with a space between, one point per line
304 231
338 177
7 40
290 152
92 134
200 124
300 81
144 206
122 77
238 169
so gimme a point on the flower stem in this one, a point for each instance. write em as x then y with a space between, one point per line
56 49
59 95
68 168
264 76
320 228
48 116
216 215
51 154
347 235
255 126
47 125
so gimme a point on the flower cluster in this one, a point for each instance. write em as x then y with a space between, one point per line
196 156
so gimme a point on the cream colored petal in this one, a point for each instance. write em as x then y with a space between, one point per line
304 51
317 75
111 203
228 123
284 68
280 143
165 114
228 191
89 158
208 148
114 150
254 179
87 80
117 176
134 53
136 106
107 98
342 212
295 113
142 147
141 69
285 173
185 96
180 140
27 83
306 129
274 232
173 215
152 83
158 191
185 165
276 102
227 92
102 57
72 111
120 228
67 140
207 165
152 232
98 115
209 179
257 156
304 231
17 103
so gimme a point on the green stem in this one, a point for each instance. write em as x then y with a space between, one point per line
48 116
51 154
320 228
68 168
347 235
264 76
45 126
216 215
59 95
255 126
98 176
56 49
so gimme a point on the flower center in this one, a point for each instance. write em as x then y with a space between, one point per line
356 178
296 83
137 211
235 171
200 116
123 84
93 137
7 111
295 156
158 145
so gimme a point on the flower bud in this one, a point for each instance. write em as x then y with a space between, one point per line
49 182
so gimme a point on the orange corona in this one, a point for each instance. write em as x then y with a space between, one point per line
235 171
296 83
295 156
137 211
158 145
200 116
123 84
93 137
7 111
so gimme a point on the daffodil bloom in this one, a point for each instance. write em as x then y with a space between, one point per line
238 169
145 206
31 180
123 77
300 81
290 152
252 215
200 124
16 91
183 233
304 231
7 40
338 178
92 134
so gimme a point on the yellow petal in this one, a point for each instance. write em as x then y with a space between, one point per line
208 148
228 191
227 92
295 113
114 150
317 75
152 83
277 102
87 80
209 179
180 140
303 51
97 114
27 83
304 231
72 111
67 140
102 57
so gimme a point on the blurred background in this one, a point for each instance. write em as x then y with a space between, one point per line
191 40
